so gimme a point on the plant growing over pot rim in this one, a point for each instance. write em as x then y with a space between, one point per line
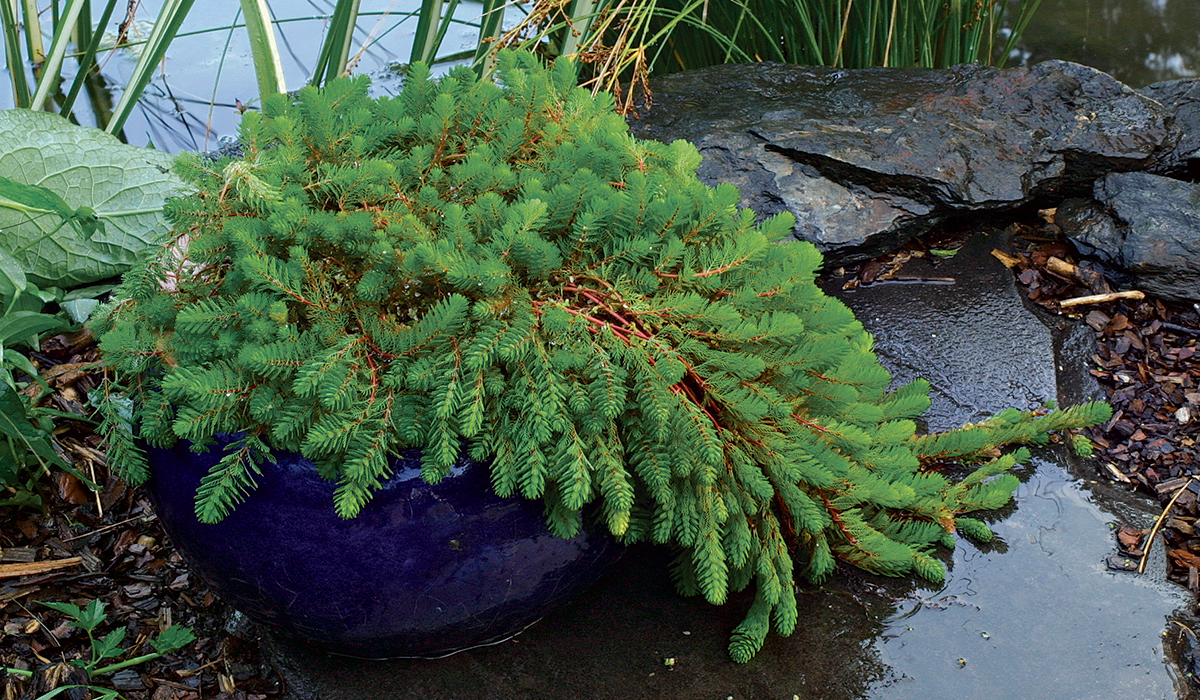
503 267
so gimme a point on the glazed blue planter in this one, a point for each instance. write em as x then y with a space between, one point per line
424 570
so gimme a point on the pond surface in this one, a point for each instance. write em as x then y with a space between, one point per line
192 103
1136 41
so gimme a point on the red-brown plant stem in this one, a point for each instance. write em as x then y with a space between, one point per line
706 273
811 424
694 393
836 515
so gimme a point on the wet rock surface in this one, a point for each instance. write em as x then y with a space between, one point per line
1182 99
868 159
1146 226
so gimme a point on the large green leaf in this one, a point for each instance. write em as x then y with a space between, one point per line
20 325
87 167
15 424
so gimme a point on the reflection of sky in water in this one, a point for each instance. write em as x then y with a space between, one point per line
1137 41
206 73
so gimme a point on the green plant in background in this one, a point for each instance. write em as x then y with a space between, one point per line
55 251
108 647
625 41
505 269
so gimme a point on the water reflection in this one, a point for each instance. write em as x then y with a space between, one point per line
1137 41
194 98
1024 623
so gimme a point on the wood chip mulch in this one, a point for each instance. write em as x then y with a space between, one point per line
107 545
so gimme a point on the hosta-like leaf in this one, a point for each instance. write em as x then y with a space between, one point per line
124 185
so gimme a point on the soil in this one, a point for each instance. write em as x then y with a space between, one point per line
107 545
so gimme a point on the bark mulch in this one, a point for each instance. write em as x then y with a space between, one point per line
108 546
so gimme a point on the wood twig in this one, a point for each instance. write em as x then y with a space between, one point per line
37 567
1101 298
147 518
1158 523
1005 259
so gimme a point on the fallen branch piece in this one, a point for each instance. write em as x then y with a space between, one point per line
1116 473
1091 279
1007 260
1101 298
1060 267
37 567
1158 523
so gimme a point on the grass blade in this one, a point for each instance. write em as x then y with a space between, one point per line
583 12
87 62
335 51
172 15
489 30
12 54
52 68
268 68
33 31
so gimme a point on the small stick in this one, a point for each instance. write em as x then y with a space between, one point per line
37 567
1116 473
1005 259
1158 523
149 517
1060 267
1101 298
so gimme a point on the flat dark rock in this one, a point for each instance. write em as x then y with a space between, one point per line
868 159
1146 225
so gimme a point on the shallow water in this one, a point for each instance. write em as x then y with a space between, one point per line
1036 613
192 102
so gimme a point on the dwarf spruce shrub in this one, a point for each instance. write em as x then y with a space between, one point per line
503 268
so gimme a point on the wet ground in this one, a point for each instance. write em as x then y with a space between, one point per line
1020 619
1035 614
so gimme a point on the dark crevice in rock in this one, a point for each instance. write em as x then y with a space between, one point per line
921 189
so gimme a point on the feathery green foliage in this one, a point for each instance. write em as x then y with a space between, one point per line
502 267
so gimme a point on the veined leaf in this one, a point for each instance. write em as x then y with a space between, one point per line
84 168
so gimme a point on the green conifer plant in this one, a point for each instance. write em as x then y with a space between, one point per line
502 268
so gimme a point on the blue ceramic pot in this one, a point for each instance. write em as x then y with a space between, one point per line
424 570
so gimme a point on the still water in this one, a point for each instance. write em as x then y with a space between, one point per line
193 101
1137 41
